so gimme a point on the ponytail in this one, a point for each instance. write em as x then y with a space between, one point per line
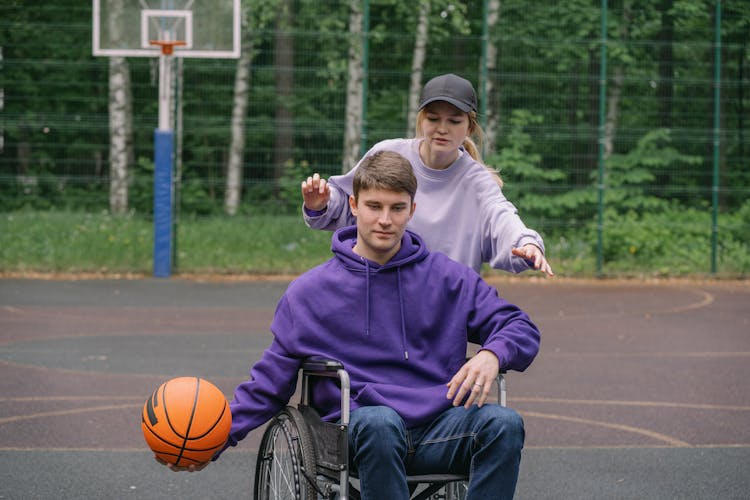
475 129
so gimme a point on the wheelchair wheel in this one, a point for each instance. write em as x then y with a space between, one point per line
285 469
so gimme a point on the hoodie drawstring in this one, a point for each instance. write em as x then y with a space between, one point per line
403 320
367 297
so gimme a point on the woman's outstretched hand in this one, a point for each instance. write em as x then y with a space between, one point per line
315 192
534 256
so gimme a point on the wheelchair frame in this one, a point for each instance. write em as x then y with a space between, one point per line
302 457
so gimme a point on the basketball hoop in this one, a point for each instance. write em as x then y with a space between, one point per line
128 28
167 46
135 28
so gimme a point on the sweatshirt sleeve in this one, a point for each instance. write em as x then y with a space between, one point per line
503 231
272 382
502 328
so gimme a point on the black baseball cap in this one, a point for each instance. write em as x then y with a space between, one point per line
450 88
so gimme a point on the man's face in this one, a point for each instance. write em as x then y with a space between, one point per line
382 216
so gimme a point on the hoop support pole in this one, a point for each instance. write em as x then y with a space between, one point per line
163 145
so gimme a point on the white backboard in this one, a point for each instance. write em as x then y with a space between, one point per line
127 28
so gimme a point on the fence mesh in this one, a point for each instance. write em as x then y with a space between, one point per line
545 102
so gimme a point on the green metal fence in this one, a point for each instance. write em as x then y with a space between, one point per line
604 115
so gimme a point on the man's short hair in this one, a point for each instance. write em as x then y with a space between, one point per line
385 170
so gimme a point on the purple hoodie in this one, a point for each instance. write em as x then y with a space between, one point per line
400 330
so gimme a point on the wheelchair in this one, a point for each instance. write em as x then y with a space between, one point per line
302 457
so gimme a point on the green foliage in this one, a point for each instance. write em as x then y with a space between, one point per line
519 156
628 175
672 242
545 95
141 186
735 226
529 184
46 192
289 186
195 199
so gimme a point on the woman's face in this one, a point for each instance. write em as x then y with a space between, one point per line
444 127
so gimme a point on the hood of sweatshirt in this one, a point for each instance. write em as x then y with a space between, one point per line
412 250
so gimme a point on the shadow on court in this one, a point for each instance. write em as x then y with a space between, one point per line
640 390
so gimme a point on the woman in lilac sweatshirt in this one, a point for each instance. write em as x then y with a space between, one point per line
463 212
398 317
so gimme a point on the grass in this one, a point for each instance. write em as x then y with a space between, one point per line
102 243
55 242
73 242
259 244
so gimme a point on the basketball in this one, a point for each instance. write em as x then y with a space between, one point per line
186 421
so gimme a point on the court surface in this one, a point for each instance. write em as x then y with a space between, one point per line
641 389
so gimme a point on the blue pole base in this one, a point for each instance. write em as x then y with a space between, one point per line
163 141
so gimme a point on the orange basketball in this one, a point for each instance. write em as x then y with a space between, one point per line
186 421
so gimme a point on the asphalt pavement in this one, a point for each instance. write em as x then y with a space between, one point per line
640 390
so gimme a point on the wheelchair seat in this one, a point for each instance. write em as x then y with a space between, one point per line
302 457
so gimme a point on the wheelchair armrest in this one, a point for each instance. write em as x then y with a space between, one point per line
321 364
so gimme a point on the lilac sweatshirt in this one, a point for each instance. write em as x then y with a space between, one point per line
461 211
400 330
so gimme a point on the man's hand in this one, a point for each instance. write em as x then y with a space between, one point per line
189 468
534 255
315 192
474 379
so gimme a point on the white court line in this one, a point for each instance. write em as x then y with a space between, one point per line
648 404
672 441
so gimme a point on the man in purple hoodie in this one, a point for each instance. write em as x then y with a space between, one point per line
399 317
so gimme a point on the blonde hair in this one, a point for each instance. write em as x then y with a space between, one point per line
472 142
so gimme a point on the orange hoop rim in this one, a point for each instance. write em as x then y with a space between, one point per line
167 46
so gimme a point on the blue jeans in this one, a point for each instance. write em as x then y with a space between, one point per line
486 442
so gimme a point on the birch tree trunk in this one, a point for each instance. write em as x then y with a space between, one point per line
121 154
615 89
492 96
233 190
417 65
353 125
283 61
120 133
